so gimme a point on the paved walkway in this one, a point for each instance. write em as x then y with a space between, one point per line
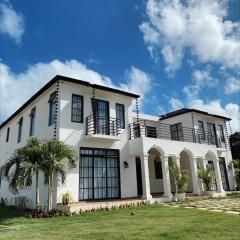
226 205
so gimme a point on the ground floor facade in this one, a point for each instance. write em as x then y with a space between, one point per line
139 169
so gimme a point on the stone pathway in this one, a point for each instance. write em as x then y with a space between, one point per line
226 205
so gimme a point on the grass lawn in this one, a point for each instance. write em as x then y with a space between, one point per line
149 222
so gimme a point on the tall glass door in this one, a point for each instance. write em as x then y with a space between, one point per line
101 116
99 174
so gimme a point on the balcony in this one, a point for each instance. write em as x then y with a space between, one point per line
143 128
102 128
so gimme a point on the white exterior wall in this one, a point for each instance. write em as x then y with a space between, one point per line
73 134
42 131
185 119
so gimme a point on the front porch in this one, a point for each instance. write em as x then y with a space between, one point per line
159 155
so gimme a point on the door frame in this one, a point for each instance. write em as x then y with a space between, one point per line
139 176
119 174
223 162
95 109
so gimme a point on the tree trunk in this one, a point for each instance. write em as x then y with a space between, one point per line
49 192
37 191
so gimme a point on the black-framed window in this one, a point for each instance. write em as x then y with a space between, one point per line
99 176
7 135
101 116
20 124
176 132
52 108
32 121
201 130
120 115
151 131
220 129
77 108
136 130
158 169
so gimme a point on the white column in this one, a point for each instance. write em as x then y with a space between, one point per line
196 188
145 177
218 176
166 177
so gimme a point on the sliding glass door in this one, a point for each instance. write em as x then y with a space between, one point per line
99 174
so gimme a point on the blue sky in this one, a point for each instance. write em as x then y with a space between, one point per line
174 53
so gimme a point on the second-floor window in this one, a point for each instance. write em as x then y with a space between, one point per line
151 131
220 129
20 123
32 121
77 108
52 109
120 115
176 132
7 135
201 130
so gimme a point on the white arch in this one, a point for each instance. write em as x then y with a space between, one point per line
188 151
212 155
158 148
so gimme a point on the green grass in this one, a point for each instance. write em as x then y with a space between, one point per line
149 222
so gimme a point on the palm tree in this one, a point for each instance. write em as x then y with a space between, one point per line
206 175
56 155
22 165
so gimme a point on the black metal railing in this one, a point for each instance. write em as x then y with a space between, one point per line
160 130
102 126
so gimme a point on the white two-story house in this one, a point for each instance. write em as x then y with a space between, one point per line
120 154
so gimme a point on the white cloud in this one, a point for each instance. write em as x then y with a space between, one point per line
175 104
11 22
200 79
191 91
174 26
137 81
232 85
37 75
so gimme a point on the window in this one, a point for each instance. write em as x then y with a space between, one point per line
7 135
77 108
99 174
32 121
201 131
52 109
220 129
158 169
176 132
151 132
20 123
120 115
136 130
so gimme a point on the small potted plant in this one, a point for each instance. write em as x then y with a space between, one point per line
180 180
206 175
66 198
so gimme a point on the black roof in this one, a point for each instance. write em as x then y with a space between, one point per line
188 110
71 80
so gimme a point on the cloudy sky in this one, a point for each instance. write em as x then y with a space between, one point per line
174 53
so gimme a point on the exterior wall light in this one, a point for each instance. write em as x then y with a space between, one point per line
126 164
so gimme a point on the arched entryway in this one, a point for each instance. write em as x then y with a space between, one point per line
185 158
155 172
